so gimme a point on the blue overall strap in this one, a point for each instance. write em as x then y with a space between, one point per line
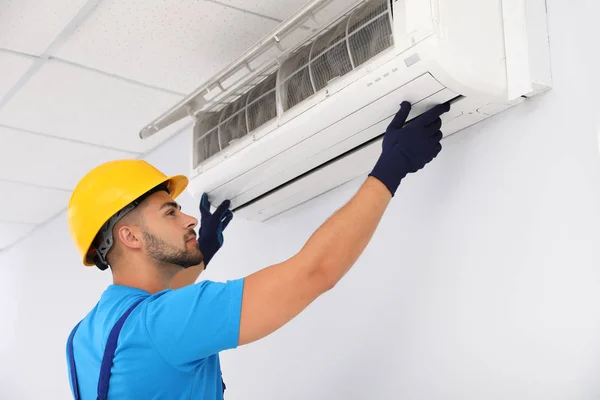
72 371
109 353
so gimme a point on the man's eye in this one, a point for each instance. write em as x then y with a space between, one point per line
172 212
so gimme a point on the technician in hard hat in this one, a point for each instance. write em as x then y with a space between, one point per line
155 333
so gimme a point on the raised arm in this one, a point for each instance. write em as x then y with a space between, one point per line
273 296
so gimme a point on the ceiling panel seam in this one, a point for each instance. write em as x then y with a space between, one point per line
70 140
18 53
87 68
8 221
21 82
69 28
33 227
31 224
244 10
36 185
256 14
115 76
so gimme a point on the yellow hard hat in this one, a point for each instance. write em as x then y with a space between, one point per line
105 191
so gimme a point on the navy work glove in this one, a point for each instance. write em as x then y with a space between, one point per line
409 148
210 235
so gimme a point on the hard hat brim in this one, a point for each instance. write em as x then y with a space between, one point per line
177 185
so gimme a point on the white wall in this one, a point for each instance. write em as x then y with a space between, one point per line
482 282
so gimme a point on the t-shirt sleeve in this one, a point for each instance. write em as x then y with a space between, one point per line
189 324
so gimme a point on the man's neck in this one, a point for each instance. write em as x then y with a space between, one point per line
148 286
150 278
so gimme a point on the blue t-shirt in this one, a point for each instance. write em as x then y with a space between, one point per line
168 347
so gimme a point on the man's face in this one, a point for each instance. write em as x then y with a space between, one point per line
168 233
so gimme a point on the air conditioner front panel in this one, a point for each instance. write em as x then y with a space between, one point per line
343 170
355 163
351 132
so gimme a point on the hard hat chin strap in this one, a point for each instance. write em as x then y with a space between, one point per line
106 232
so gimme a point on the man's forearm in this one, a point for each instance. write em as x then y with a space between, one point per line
338 243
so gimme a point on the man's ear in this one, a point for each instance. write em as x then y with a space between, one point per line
129 236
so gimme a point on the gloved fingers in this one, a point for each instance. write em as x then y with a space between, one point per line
433 145
204 206
430 132
436 125
421 160
431 115
401 116
226 219
438 136
222 208
430 146
220 237
433 153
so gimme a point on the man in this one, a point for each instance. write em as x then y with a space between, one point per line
155 333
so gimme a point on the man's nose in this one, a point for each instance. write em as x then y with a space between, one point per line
192 222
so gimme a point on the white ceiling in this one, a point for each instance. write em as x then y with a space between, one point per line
79 79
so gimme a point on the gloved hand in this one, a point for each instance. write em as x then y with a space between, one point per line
210 235
409 148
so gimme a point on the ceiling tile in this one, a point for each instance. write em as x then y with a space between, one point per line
282 10
76 103
271 8
11 233
161 44
22 203
29 26
12 67
47 161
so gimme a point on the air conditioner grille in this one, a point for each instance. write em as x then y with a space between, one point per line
207 133
332 64
353 40
297 88
328 39
330 58
215 131
262 103
295 75
360 36
233 121
366 14
371 40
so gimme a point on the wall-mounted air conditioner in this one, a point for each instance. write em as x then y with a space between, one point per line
304 110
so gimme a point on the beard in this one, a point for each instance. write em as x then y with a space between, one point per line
166 253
